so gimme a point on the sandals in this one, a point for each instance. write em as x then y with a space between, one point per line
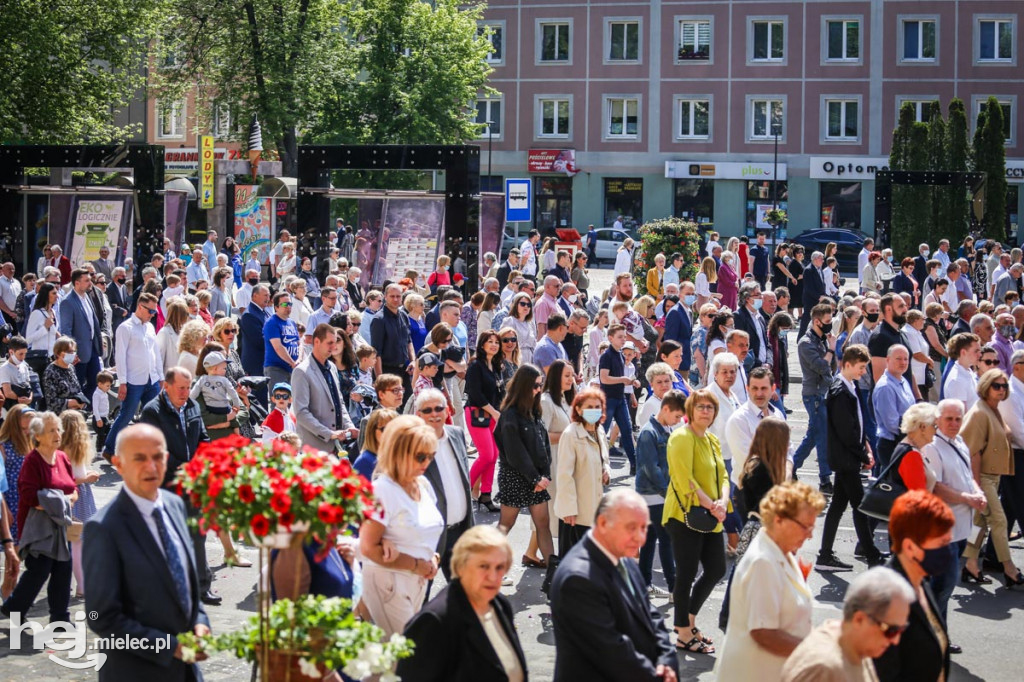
530 562
967 577
698 645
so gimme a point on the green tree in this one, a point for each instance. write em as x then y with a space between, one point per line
958 158
667 236
936 150
68 67
990 158
911 205
322 71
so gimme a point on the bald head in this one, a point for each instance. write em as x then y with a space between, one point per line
140 456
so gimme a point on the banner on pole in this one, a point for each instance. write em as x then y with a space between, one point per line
206 157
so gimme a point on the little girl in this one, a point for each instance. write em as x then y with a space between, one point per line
80 449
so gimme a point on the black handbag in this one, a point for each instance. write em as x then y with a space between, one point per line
479 418
882 494
698 518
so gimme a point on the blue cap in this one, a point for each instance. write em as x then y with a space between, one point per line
282 385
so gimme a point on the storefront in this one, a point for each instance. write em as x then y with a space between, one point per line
624 197
728 194
552 171
694 199
846 190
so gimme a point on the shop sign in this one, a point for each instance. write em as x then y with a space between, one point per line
847 167
206 171
186 159
1015 171
623 186
552 161
724 170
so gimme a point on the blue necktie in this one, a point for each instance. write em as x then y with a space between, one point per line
174 560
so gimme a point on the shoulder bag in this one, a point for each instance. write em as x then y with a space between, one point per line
882 494
696 517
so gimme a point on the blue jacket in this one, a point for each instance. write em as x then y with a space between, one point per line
74 322
251 327
679 328
651 460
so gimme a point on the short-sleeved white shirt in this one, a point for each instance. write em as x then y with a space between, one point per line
962 385
11 374
414 527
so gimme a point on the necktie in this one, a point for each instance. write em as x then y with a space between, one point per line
621 567
174 560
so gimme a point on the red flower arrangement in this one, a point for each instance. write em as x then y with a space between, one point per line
261 490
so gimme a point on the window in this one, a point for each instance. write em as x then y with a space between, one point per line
172 119
695 200
623 117
554 42
222 123
840 205
766 119
1007 116
554 117
495 35
842 118
489 110
919 40
995 40
694 40
624 197
922 108
843 37
623 41
769 41
694 119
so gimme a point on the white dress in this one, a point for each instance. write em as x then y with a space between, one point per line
768 592
623 261
556 420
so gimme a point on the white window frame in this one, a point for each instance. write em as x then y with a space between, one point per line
694 19
539 32
920 18
499 26
222 122
679 134
843 100
844 19
492 102
539 101
978 100
750 100
608 22
606 120
178 110
919 102
999 19
751 29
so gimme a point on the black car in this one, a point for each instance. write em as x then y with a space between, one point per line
849 243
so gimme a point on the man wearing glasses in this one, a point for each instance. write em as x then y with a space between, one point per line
138 363
280 341
391 336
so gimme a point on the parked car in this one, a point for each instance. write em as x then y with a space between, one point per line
608 242
849 243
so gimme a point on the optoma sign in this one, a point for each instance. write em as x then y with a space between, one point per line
847 167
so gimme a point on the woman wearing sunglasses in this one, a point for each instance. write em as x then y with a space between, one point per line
395 573
510 358
921 528
520 319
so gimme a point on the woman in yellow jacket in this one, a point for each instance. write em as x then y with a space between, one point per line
656 278
695 506
583 468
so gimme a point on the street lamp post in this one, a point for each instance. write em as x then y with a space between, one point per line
490 139
776 124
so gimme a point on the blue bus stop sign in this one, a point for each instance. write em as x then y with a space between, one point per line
517 200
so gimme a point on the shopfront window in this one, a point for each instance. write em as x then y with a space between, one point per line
552 204
1013 211
759 202
695 200
624 197
840 205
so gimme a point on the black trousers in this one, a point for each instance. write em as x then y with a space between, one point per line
38 570
848 491
692 550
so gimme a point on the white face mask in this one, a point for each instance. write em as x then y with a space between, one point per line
573 298
69 358
15 361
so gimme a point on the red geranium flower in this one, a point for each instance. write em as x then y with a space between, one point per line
349 490
280 502
246 494
287 519
260 525
325 512
311 463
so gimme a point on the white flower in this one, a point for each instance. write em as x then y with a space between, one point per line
357 669
390 677
309 668
188 654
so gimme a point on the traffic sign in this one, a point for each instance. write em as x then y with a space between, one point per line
517 200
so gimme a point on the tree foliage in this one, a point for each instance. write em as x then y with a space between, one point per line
667 236
67 67
990 158
958 158
911 205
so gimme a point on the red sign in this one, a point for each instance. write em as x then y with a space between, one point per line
552 161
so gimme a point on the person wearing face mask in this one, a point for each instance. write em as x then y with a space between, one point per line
921 263
679 324
921 528
440 276
748 318
243 297
583 468
816 351
1006 331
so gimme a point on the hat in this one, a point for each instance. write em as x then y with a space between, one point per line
629 345
282 386
429 360
185 248
213 359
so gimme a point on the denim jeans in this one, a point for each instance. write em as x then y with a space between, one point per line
136 395
816 437
618 411
943 583
657 535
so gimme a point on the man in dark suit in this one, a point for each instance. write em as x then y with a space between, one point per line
679 324
921 264
141 569
814 288
748 318
251 327
448 473
80 320
605 628
506 268
177 417
118 298
849 452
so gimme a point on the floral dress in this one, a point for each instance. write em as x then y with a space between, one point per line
12 467
698 342
59 384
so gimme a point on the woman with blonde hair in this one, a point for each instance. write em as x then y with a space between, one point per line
80 449
167 337
548 257
656 277
414 305
520 318
624 257
301 309
376 422
395 582
706 276
14 447
203 298
191 340
441 275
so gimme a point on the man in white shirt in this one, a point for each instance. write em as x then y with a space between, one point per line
863 255
737 342
138 363
942 255
244 295
617 225
10 288
739 431
322 315
999 271
961 382
210 247
722 382
196 270
528 254
278 251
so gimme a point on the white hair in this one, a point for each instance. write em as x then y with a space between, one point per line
724 359
428 395
874 590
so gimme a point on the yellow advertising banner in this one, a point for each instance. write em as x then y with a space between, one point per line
206 156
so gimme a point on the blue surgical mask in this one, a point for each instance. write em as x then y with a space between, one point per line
926 253
592 415
690 299
758 303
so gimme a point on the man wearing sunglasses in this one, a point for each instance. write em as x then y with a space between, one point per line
138 363
281 341
321 419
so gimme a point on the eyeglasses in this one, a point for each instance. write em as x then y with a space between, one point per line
423 457
397 390
807 529
510 339
1000 385
889 631
990 363
704 407
538 386
281 396
433 410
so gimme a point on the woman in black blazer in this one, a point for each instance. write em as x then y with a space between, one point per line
921 529
466 633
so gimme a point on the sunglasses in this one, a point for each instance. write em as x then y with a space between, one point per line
230 331
539 386
151 311
1000 385
890 631
281 396
990 363
284 305
510 339
433 410
524 304
424 457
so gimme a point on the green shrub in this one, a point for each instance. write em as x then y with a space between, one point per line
667 236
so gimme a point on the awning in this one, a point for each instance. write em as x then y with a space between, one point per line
279 188
181 185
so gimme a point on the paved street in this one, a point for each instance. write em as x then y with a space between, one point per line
982 619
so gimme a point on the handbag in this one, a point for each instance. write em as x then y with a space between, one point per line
479 418
698 518
882 494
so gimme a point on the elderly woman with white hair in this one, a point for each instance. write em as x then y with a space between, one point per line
907 462
724 372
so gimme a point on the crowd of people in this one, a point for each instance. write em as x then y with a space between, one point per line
465 409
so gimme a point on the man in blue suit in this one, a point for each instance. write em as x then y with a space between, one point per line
679 324
141 570
251 338
80 320
814 288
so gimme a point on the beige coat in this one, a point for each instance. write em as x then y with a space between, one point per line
582 464
983 431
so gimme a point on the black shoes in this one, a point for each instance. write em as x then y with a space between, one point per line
830 562
1014 581
967 577
485 501
211 598
825 488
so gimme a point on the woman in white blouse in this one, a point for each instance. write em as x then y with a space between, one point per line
301 309
520 318
286 265
167 337
624 257
770 604
706 276
395 572
41 332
